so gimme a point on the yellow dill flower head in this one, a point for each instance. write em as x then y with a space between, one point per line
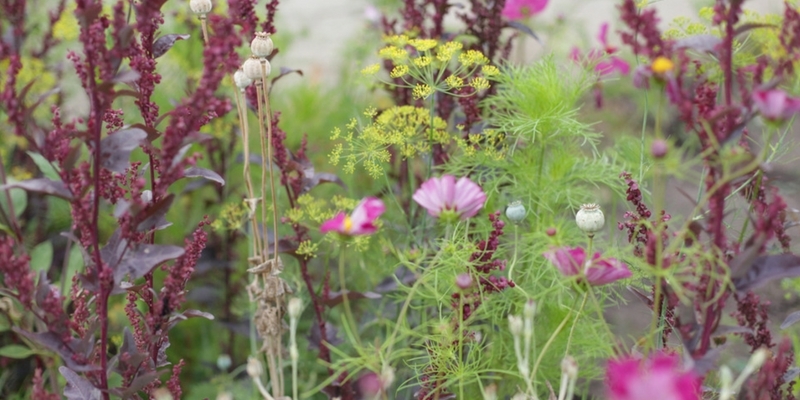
421 91
396 40
371 69
398 71
423 44
479 83
423 61
393 53
490 70
472 57
307 249
446 51
370 112
67 27
454 82
661 65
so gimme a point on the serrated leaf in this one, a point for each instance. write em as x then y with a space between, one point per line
164 43
197 172
768 268
42 185
42 256
16 351
116 148
78 388
48 170
791 319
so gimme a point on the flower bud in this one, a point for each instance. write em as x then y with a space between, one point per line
252 68
590 218
200 7
223 362
659 148
464 281
515 212
295 307
515 325
254 368
551 231
490 392
529 311
261 46
241 80
569 367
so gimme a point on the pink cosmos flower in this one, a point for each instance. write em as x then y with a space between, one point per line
519 9
609 63
599 271
360 222
658 377
463 197
775 104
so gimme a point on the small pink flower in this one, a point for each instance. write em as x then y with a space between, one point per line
519 9
360 222
463 197
606 62
599 271
775 104
658 377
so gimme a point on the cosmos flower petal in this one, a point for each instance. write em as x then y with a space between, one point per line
360 222
464 197
334 224
632 379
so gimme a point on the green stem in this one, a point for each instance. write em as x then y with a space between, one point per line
574 324
599 310
547 346
345 297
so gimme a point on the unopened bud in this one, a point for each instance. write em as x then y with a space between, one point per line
569 367
253 68
515 325
241 80
254 368
490 392
200 7
262 45
295 308
464 281
551 231
590 218
515 212
659 148
529 311
223 362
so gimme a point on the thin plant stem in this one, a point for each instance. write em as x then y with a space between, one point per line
264 160
345 297
247 178
293 354
574 324
547 346
204 27
268 111
599 310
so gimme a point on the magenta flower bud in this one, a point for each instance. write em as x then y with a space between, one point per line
464 281
550 231
659 148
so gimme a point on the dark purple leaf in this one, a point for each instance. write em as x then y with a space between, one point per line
701 43
768 268
708 361
138 383
750 26
524 29
331 333
135 260
336 297
126 76
197 172
78 388
284 71
164 43
162 353
53 342
198 314
792 373
116 148
154 216
152 133
791 320
724 330
42 185
646 298
132 357
321 177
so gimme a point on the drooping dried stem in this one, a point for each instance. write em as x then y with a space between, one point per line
251 200
264 160
204 26
268 110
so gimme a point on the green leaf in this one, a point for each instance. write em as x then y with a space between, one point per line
42 256
5 324
16 351
19 200
74 265
48 170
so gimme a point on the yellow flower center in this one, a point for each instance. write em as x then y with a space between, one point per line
662 65
348 224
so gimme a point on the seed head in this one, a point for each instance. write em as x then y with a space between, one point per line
252 68
590 218
200 7
295 308
515 212
254 368
241 80
262 45
464 281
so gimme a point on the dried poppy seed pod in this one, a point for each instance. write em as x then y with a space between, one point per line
252 68
590 218
515 212
241 80
262 45
200 7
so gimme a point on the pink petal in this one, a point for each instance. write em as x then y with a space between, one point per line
469 198
519 9
602 36
364 216
334 224
569 261
427 196
605 271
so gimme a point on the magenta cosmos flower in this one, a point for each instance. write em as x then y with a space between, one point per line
360 222
775 104
519 9
608 63
463 198
658 377
600 271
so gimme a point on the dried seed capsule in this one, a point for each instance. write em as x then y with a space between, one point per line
241 80
253 68
590 218
262 45
295 307
200 7
515 212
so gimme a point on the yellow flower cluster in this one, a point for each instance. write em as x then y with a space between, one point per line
399 71
479 83
421 91
423 44
371 69
472 57
230 217
307 249
445 51
489 144
393 53
454 82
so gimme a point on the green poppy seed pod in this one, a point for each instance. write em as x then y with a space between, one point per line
515 212
241 80
223 362
590 218
262 45
295 308
200 7
252 68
